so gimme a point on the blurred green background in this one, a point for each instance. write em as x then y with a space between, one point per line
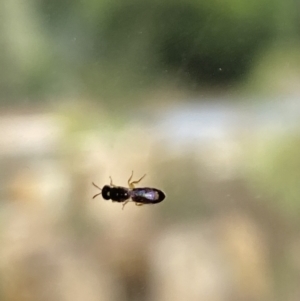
203 96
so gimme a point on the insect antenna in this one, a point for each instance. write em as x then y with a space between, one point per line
98 188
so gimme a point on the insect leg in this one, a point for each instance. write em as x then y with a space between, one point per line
111 182
131 184
130 178
138 204
125 204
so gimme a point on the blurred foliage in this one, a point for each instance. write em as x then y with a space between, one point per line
113 48
275 172
186 198
278 70
202 43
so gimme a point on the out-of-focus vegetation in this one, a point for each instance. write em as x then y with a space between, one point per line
107 48
277 69
274 169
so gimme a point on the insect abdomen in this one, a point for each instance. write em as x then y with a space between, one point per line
147 195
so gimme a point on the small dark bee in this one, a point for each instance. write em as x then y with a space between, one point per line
140 196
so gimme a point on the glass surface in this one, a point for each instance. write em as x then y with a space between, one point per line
201 96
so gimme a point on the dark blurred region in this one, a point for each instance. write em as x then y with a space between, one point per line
203 96
108 48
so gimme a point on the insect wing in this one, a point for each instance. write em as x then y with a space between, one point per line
147 195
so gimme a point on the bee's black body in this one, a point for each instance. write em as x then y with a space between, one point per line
140 196
115 193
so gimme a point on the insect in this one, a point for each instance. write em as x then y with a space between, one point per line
140 196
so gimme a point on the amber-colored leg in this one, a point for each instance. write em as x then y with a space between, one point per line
138 204
130 178
111 182
131 184
125 204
